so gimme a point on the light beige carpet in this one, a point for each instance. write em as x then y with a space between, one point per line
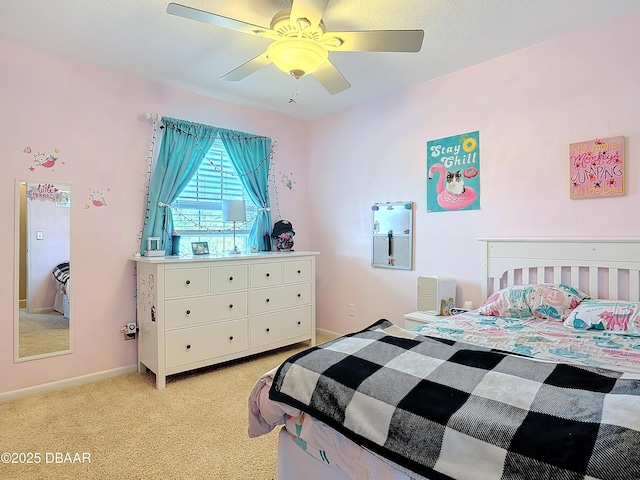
43 333
194 429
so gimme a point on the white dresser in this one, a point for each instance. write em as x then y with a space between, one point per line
194 312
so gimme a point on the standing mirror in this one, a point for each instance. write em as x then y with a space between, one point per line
42 273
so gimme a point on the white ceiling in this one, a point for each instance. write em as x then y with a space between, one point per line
139 37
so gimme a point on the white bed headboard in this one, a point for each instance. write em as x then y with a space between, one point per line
600 267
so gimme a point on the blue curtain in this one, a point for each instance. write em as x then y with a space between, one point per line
251 157
184 146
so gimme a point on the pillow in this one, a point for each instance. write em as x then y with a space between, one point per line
509 302
609 315
553 302
542 300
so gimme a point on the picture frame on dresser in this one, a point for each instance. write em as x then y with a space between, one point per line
200 248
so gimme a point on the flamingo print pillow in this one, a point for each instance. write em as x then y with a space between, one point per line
552 302
509 302
543 300
608 315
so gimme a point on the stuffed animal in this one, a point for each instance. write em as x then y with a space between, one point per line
283 234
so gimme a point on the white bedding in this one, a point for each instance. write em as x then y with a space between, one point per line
61 275
61 301
543 339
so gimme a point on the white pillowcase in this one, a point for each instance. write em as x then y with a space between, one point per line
606 315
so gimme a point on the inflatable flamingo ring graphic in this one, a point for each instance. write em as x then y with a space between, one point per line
452 201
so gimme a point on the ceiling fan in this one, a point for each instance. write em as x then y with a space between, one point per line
301 44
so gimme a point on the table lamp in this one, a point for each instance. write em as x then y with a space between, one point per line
234 211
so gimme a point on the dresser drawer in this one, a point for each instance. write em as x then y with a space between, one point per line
269 299
279 326
196 344
266 274
229 277
183 282
197 312
296 271
193 311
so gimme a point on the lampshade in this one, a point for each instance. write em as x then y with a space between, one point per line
234 211
296 55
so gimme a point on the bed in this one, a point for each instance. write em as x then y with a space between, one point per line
62 276
556 395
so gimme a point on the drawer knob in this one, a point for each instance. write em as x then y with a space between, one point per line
299 271
299 295
299 322
267 300
268 274
231 305
188 346
188 282
188 312
230 338
267 330
231 279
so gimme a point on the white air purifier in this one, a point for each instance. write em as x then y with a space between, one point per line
434 293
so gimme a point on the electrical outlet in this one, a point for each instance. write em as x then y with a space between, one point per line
130 330
352 310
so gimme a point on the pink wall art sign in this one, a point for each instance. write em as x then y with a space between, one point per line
596 168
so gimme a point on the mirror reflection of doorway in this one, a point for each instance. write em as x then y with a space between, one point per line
42 323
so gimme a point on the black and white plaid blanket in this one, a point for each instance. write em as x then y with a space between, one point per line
451 410
61 272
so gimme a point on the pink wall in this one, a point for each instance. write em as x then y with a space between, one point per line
94 118
528 107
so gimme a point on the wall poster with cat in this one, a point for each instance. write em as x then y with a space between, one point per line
453 173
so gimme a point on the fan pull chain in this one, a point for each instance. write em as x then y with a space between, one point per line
295 95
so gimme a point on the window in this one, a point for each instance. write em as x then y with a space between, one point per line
197 212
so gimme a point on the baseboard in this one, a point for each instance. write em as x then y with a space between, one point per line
328 333
94 377
66 383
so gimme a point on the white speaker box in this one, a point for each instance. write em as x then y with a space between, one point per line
432 291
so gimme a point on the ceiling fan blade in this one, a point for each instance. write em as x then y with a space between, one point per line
213 19
247 68
312 10
375 41
330 78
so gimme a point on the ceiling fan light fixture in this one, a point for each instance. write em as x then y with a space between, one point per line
297 56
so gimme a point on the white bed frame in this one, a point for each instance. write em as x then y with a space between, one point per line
600 267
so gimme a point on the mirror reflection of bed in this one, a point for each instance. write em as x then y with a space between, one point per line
42 319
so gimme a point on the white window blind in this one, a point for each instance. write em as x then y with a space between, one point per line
198 208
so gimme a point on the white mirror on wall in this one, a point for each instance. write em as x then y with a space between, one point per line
392 235
42 285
